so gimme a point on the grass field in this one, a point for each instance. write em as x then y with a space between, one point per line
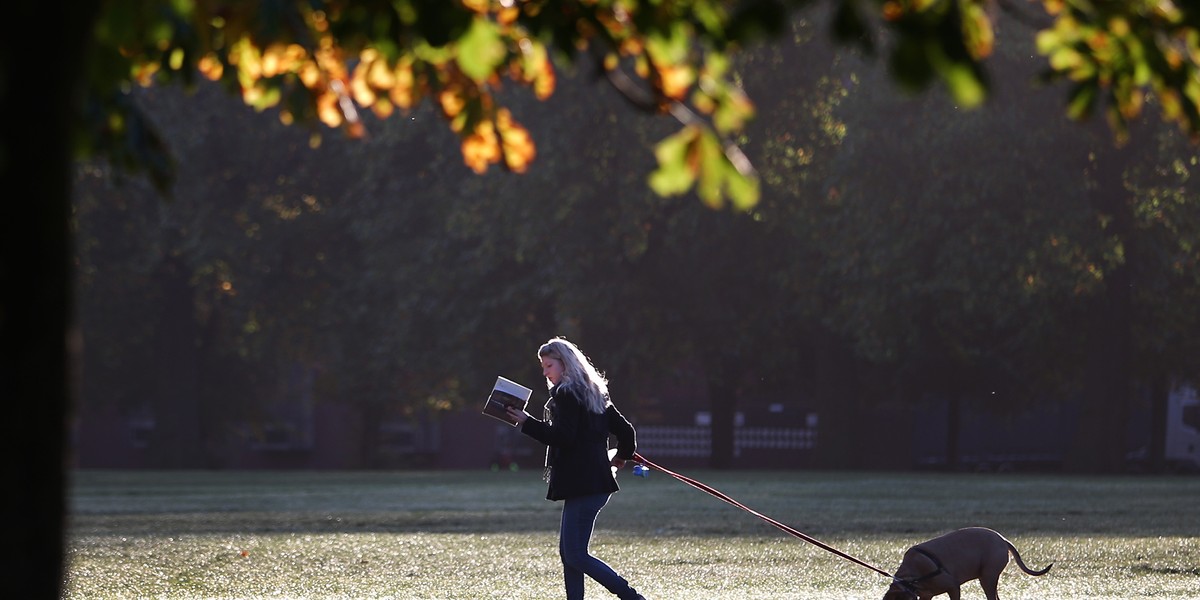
477 535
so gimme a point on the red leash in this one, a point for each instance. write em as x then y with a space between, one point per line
794 532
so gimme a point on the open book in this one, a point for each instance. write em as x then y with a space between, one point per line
504 394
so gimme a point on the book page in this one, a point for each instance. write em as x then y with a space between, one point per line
504 394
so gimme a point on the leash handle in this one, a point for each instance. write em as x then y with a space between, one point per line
788 529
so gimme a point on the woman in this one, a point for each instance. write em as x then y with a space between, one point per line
578 420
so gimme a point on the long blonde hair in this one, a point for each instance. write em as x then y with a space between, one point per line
579 375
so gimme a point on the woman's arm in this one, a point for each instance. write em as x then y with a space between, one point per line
619 426
564 429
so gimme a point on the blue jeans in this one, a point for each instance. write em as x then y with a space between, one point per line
578 520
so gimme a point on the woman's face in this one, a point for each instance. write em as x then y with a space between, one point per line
552 369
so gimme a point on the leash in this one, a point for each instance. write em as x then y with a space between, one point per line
790 530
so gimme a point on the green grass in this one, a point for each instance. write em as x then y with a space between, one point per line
475 535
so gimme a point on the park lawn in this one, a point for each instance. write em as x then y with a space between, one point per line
475 535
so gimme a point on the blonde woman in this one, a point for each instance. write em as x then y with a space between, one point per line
577 422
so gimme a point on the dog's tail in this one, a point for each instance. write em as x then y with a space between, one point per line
1021 563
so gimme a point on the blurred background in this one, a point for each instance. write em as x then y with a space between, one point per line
919 287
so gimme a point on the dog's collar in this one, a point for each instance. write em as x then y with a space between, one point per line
911 584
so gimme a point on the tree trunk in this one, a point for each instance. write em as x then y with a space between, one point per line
369 438
722 393
722 369
837 406
39 99
953 432
1100 443
176 442
1157 446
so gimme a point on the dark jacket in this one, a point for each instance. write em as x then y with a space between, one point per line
578 445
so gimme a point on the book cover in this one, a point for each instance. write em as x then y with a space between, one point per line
504 394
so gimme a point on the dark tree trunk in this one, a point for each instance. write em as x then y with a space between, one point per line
39 100
837 401
176 440
1101 440
953 432
1157 451
722 394
369 439
722 369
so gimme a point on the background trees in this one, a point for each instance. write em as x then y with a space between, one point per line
313 63
874 275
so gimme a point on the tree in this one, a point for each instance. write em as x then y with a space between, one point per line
315 60
238 264
1009 276
35 311
324 61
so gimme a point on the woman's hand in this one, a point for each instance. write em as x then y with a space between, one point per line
517 415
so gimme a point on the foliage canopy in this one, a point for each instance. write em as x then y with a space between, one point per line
325 60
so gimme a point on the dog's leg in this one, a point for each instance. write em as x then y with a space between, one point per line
955 593
990 582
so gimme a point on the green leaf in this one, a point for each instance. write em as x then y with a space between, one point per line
964 82
731 112
673 175
1081 100
1065 58
743 190
1048 40
713 165
271 95
670 46
671 179
481 50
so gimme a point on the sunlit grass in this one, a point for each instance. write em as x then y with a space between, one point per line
459 535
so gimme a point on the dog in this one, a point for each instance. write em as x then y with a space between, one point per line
943 564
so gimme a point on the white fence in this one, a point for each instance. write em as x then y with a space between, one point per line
696 441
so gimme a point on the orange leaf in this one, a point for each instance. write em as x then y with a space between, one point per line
546 80
508 16
310 75
251 95
892 11
210 67
359 88
379 75
479 6
327 109
144 73
676 80
519 150
247 58
294 56
452 102
329 58
402 90
481 148
383 108
273 61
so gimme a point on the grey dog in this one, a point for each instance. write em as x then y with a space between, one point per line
943 564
